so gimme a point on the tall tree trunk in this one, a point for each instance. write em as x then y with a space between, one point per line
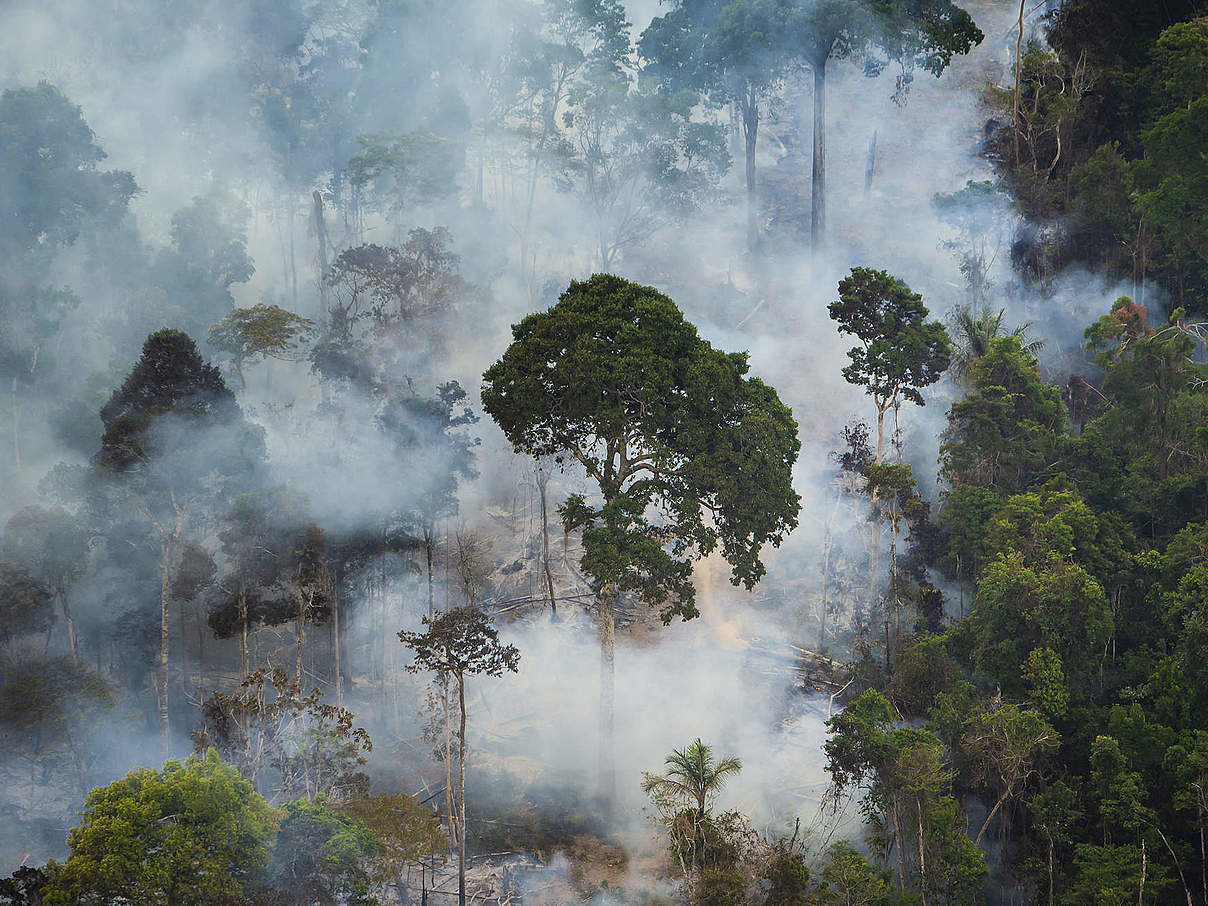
1141 887
542 487
461 792
335 639
16 426
429 533
70 623
1203 863
167 558
319 227
608 641
818 179
450 793
870 169
238 365
918 805
244 660
827 543
750 131
304 600
1018 79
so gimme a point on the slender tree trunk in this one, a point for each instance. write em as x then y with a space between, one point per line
818 182
461 792
893 573
1203 863
319 226
450 793
335 639
16 426
1051 873
750 130
242 383
304 600
608 640
1141 887
429 531
542 486
244 660
167 557
990 817
1018 79
870 170
918 805
880 454
70 623
827 544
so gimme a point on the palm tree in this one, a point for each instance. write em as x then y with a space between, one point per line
693 778
974 330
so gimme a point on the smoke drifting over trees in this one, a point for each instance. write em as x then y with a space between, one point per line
519 332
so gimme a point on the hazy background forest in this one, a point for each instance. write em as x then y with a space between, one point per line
255 260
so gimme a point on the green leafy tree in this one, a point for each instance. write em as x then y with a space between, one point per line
686 790
848 879
900 352
907 798
976 213
193 832
662 422
397 172
973 332
321 856
26 605
262 331
49 708
641 161
407 831
1006 745
456 644
1008 429
1187 763
54 187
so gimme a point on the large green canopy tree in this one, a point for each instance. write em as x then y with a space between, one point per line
193 832
688 453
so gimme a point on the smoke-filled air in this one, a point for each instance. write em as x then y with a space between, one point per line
619 452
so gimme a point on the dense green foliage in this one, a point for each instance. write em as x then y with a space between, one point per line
614 377
194 832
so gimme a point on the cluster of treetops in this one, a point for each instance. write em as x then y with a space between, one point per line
1061 719
1101 152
